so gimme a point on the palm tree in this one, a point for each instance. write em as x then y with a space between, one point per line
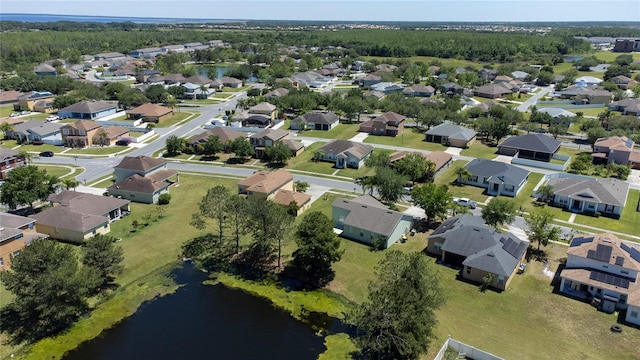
70 183
462 172
545 192
26 156
103 136
6 127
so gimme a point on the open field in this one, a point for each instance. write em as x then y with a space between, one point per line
409 138
178 117
480 150
342 132
96 150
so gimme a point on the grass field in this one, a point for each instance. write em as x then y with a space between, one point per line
410 138
480 150
178 117
61 171
107 150
628 222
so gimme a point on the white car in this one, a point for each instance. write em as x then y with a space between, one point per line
52 117
465 202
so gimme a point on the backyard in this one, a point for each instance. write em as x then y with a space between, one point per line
178 117
410 138
342 132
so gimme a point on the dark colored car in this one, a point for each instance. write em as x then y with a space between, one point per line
47 153
123 142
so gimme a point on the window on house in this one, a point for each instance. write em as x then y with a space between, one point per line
15 253
634 314
605 266
624 272
81 132
468 270
501 280
1 261
361 234
65 131
485 181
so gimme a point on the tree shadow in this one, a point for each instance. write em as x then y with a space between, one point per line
535 254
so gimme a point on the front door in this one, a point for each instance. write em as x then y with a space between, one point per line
496 187
576 204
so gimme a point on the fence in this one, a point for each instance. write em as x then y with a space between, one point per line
143 137
468 351
544 165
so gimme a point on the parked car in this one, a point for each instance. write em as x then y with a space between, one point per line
25 112
14 114
47 153
53 117
465 202
123 142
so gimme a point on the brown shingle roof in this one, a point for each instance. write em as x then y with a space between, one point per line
285 197
62 217
150 110
115 132
222 133
85 125
83 203
439 158
88 107
266 182
139 184
140 163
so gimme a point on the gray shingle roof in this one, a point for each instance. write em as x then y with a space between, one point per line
140 163
497 170
84 203
605 191
356 149
367 217
88 107
452 131
532 142
482 246
317 118
45 128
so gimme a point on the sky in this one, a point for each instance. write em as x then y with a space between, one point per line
342 10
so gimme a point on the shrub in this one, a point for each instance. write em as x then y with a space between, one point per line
164 199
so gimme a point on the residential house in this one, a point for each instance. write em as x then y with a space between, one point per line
440 159
366 220
450 134
141 179
519 75
369 80
267 137
595 96
9 97
419 90
16 233
628 106
386 87
556 112
497 177
537 147
624 82
264 108
108 56
616 150
315 121
147 53
43 106
77 216
451 88
387 124
89 110
198 80
493 91
28 100
583 194
286 197
276 93
44 69
345 153
604 269
231 82
150 113
80 133
587 80
377 94
479 250
266 184
38 132
225 136
109 136
9 160
489 74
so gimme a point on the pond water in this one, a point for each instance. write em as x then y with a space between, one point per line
221 70
573 58
205 322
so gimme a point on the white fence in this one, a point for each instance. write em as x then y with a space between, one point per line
143 137
542 164
468 351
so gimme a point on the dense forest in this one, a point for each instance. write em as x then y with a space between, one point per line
22 46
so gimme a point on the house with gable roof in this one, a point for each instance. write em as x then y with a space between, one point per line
9 160
367 220
77 216
38 132
440 159
604 268
450 134
16 233
28 100
497 177
537 147
141 179
315 121
466 242
387 124
264 108
45 69
419 90
268 137
276 93
88 110
345 153
225 135
276 186
80 133
150 113
616 150
582 194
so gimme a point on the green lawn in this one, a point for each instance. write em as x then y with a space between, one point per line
6 110
178 117
40 148
590 111
235 90
61 171
628 222
304 161
9 144
342 132
410 138
480 150
107 150
449 178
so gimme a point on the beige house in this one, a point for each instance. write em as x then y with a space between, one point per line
266 184
286 197
16 232
81 133
150 113
616 150
264 108
77 216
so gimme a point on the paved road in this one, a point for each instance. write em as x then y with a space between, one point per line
534 99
